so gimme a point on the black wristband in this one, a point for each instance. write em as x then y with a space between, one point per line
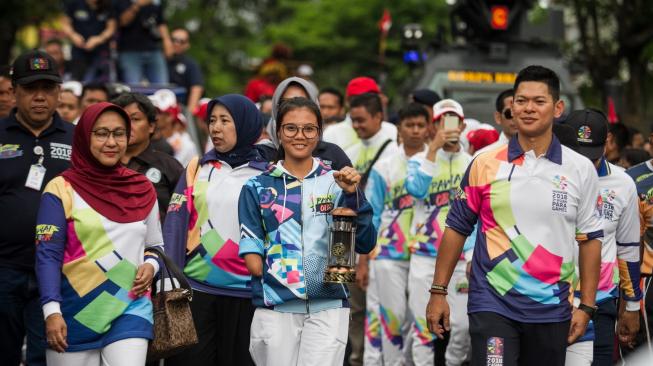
590 310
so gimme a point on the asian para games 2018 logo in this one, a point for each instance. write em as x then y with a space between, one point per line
176 201
584 133
560 182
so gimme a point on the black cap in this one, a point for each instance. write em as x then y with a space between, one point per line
33 66
426 96
566 135
591 128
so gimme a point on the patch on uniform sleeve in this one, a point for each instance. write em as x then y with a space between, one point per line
8 151
45 232
494 351
176 201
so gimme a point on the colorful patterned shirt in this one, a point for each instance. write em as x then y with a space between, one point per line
86 265
201 230
642 174
433 184
392 205
530 209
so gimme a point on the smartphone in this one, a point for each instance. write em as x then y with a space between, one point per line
451 123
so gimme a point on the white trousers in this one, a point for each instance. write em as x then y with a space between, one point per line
287 339
125 352
580 354
420 278
387 320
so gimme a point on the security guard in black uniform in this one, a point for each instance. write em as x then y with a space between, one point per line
160 168
35 146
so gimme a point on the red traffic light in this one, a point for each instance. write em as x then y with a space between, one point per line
499 17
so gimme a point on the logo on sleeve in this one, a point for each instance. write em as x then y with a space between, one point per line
8 151
176 201
559 194
45 232
60 151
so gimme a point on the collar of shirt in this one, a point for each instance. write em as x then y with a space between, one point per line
604 168
12 122
147 156
553 153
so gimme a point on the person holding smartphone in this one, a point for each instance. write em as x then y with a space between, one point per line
432 180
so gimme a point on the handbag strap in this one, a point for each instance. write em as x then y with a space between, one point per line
366 175
172 271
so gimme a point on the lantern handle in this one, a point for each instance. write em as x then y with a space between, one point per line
358 205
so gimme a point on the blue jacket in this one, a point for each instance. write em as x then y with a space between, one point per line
286 222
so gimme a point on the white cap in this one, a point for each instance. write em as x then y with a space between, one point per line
447 105
304 70
74 87
164 99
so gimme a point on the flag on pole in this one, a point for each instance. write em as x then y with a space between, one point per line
385 23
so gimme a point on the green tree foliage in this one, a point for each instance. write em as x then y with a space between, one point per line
616 43
339 38
18 13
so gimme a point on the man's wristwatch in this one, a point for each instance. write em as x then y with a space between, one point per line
590 310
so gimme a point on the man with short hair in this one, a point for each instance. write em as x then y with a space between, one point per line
503 119
94 93
35 146
618 211
426 98
7 99
532 197
332 104
183 70
387 303
431 180
69 107
342 134
373 144
160 168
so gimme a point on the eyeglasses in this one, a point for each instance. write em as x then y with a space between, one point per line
179 40
103 134
507 113
290 130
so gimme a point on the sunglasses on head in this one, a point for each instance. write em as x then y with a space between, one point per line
507 113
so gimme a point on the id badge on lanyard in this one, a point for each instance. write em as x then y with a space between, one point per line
36 171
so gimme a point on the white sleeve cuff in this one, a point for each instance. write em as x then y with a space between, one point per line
51 308
428 167
632 306
154 264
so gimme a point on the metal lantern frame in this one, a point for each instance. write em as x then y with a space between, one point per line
341 259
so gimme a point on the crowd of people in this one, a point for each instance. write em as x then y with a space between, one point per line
526 245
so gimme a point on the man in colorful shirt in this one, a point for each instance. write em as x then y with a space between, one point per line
617 205
531 197
373 145
387 303
432 178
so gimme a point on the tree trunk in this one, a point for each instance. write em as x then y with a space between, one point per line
7 38
634 93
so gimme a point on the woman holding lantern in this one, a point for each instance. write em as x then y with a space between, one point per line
299 248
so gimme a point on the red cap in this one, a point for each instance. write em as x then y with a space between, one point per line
361 85
201 110
481 138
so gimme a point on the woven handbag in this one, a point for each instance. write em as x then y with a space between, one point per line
174 329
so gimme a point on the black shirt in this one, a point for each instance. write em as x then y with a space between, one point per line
88 22
20 204
185 72
142 33
162 170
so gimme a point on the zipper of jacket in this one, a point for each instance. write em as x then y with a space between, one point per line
301 215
